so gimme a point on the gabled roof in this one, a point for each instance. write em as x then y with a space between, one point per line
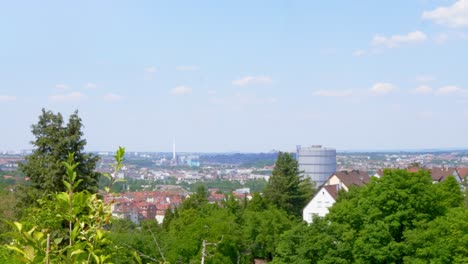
439 174
354 177
332 190
463 172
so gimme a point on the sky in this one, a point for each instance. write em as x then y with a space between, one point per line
247 76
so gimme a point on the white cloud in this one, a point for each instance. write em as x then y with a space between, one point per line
333 93
396 40
212 92
181 90
450 90
62 87
359 53
188 68
455 15
150 69
110 97
91 85
70 97
382 88
7 98
250 80
423 89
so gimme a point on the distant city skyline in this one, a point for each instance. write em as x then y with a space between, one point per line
243 76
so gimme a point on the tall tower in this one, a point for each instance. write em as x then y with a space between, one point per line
173 150
316 162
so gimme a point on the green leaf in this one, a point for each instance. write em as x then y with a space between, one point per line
76 184
38 235
120 180
137 257
75 252
96 258
18 225
67 185
107 175
29 252
14 248
58 240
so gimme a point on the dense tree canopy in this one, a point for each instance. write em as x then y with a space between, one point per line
286 189
54 140
383 222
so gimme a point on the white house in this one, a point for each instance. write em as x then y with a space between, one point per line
328 192
322 200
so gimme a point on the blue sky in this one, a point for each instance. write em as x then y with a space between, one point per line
245 76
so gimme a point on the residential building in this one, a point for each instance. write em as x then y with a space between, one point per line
328 192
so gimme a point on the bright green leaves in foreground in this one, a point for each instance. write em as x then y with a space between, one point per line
67 227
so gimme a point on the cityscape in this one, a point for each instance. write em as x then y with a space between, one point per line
244 132
158 181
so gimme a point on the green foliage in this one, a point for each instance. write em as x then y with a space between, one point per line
7 210
398 218
257 203
262 230
306 244
68 227
54 140
117 166
257 185
286 190
197 199
208 222
169 215
138 242
444 240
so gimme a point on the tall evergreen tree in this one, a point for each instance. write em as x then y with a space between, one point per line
54 140
286 189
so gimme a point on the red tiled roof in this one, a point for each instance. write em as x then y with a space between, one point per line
354 177
439 174
463 172
332 190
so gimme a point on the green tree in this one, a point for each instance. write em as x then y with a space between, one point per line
68 227
381 223
257 203
286 189
54 140
444 240
196 199
210 222
262 230
309 244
